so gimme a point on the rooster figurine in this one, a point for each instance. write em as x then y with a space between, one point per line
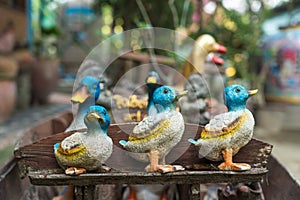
89 150
226 133
85 95
156 135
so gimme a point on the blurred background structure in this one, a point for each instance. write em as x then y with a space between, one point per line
44 42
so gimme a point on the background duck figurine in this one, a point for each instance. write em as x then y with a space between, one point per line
204 45
155 136
85 95
152 82
86 151
226 133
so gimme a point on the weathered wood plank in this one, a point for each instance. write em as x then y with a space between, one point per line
39 155
195 192
9 176
35 156
84 192
182 177
279 183
45 128
12 186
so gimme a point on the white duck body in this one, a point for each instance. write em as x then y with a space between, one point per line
168 127
96 149
227 130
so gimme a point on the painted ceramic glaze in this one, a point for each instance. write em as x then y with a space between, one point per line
281 55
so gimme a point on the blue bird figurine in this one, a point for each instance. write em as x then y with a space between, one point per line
85 95
152 82
226 133
81 152
155 136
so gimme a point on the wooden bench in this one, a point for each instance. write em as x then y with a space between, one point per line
37 161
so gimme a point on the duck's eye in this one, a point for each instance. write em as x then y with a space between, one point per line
237 90
165 91
100 121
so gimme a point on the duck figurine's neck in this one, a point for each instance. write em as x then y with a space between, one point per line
78 122
234 108
236 104
167 108
84 107
95 128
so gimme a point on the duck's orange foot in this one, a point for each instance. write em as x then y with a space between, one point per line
73 171
150 168
165 168
169 168
105 169
234 166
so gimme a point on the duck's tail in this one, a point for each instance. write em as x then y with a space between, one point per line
56 146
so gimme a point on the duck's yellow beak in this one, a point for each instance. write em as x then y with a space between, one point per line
151 79
252 92
80 95
94 115
181 94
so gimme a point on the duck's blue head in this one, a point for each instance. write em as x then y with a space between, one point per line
153 77
165 98
97 115
89 87
236 96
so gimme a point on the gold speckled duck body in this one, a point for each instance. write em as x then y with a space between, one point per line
226 133
155 136
160 132
83 151
232 129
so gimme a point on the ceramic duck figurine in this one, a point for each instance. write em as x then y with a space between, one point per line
226 133
204 45
85 95
89 150
150 192
155 136
152 82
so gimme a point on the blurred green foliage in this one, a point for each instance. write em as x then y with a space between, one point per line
159 12
239 32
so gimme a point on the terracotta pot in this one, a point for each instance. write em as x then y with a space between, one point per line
44 79
8 88
8 95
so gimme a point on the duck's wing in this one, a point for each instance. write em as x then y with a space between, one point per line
223 125
70 146
149 127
